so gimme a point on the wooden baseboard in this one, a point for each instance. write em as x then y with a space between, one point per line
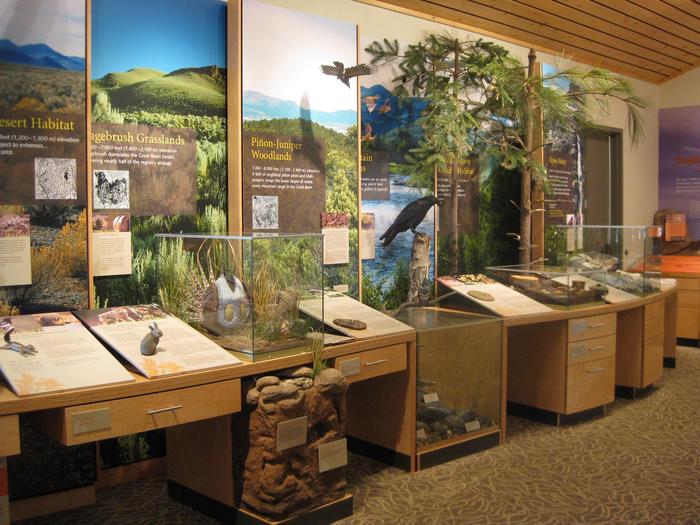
23 509
148 468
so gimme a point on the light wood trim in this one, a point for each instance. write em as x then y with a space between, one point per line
591 327
670 326
148 468
687 322
24 509
544 385
591 349
504 383
9 436
590 384
378 362
629 349
234 116
446 443
574 40
653 311
575 313
393 426
143 413
88 154
200 457
11 404
689 298
653 360
435 12
685 283
603 31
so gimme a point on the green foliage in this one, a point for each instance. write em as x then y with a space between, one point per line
317 354
372 294
102 110
554 245
196 91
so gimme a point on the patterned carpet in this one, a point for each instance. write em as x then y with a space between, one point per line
639 464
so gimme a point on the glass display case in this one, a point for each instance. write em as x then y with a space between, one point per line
554 286
243 292
458 374
623 257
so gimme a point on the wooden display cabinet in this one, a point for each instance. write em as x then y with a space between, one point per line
562 368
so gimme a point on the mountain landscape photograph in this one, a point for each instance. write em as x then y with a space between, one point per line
42 63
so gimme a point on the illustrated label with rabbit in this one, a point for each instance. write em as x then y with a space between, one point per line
154 342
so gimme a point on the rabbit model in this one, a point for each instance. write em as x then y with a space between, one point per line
149 344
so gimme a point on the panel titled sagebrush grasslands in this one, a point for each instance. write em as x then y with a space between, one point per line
159 119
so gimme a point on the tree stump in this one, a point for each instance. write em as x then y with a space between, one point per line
419 267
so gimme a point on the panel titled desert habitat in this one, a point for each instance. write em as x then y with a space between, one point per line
42 102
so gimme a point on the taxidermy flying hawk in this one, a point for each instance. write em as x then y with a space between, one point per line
344 75
410 217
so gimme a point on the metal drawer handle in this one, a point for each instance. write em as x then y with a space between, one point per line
595 370
166 409
377 362
596 325
596 348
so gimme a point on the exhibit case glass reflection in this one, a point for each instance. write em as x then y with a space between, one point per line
458 374
554 286
243 292
623 257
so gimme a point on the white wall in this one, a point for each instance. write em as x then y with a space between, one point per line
640 163
681 91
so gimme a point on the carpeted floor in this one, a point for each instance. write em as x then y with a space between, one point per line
639 464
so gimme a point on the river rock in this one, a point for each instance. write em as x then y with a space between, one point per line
352 324
439 428
454 423
467 414
252 397
302 382
331 381
266 381
277 392
432 412
289 373
285 484
422 426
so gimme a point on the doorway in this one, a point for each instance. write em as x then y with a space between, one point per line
602 177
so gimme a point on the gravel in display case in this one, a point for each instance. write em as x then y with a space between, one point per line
459 374
619 256
243 292
555 286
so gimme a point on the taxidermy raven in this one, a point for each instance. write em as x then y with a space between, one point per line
344 75
410 217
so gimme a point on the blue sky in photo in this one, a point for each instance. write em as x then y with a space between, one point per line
158 34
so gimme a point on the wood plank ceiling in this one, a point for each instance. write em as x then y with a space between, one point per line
652 40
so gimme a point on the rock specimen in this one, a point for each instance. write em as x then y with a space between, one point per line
439 420
481 296
352 324
284 484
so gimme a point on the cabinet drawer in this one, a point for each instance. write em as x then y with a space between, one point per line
590 327
688 298
9 435
590 384
653 360
688 284
653 311
372 363
119 417
687 322
590 349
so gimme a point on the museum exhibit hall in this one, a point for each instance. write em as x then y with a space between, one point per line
365 262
